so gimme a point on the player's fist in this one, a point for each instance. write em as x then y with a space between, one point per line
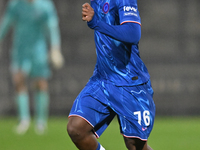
87 12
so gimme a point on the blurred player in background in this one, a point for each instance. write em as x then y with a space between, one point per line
120 84
36 29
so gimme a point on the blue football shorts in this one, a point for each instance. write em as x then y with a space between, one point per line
99 102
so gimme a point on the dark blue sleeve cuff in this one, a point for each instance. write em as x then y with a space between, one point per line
93 23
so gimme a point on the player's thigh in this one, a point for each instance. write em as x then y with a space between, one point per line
19 69
40 69
135 144
77 124
90 107
90 110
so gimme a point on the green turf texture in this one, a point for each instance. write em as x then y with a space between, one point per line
169 133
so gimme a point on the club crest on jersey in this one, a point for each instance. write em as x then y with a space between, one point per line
106 7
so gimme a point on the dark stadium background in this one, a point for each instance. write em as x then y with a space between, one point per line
170 48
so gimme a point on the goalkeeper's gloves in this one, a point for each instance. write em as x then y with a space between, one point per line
56 58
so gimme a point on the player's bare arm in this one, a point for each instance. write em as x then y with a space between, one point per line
87 12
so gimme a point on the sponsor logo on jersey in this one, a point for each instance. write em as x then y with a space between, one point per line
130 11
129 8
106 8
130 14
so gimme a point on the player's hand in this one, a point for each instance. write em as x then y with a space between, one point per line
87 12
56 58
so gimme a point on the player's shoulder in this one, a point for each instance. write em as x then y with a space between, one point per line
46 4
13 3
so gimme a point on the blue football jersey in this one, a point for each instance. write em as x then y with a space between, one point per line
118 62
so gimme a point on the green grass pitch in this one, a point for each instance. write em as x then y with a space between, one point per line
169 133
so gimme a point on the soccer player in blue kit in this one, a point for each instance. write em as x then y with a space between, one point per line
120 85
36 29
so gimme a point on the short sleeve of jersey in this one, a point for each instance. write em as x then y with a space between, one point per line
128 11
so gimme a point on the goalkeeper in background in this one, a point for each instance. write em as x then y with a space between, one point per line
36 29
